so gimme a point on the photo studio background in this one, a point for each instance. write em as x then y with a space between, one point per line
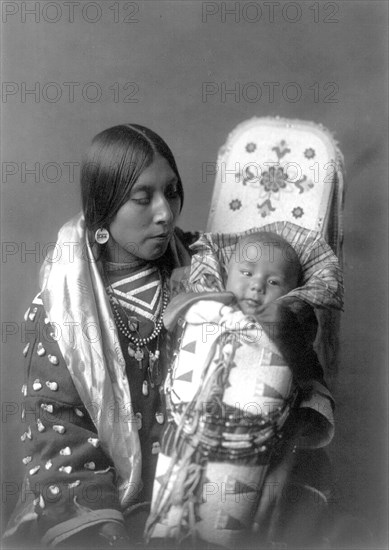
192 71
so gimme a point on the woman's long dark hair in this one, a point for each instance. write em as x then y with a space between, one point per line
112 164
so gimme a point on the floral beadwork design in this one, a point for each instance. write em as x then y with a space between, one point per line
309 153
297 212
281 149
274 180
303 184
235 204
250 147
265 208
247 176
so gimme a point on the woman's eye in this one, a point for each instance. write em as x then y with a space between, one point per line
141 200
172 193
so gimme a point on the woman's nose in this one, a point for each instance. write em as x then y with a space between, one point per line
163 213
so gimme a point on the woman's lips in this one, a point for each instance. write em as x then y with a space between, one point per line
161 236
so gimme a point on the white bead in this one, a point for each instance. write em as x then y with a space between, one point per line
90 465
159 417
40 426
32 314
25 350
65 451
27 459
36 385
53 386
74 484
94 441
41 501
66 469
59 429
54 489
48 465
40 350
24 390
34 470
78 412
155 448
145 388
53 359
47 408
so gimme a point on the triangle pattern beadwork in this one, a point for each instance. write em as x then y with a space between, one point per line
141 292
190 347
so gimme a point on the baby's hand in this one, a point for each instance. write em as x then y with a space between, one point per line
232 319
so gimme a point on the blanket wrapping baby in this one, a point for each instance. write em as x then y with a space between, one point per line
230 392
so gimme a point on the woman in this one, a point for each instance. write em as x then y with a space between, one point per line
95 358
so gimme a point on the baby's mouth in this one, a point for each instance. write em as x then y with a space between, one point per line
252 304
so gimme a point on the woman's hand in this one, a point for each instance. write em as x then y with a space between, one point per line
114 535
305 427
103 536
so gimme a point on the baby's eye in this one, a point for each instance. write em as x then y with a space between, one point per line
245 273
273 282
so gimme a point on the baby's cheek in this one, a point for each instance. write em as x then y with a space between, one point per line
277 292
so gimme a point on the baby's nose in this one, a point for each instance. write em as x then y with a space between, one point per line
257 286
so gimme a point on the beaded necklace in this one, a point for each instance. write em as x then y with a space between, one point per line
130 329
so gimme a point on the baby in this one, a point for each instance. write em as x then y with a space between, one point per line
263 268
245 386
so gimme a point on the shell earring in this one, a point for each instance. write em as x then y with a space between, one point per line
102 235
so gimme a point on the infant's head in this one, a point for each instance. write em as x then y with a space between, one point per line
263 268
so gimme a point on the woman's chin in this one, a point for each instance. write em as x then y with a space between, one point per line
149 251
156 250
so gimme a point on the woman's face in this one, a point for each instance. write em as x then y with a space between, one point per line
144 225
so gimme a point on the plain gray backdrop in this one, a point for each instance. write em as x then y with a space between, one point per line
162 54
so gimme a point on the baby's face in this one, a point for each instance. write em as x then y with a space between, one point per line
261 280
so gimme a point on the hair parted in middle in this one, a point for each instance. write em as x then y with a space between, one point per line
112 165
